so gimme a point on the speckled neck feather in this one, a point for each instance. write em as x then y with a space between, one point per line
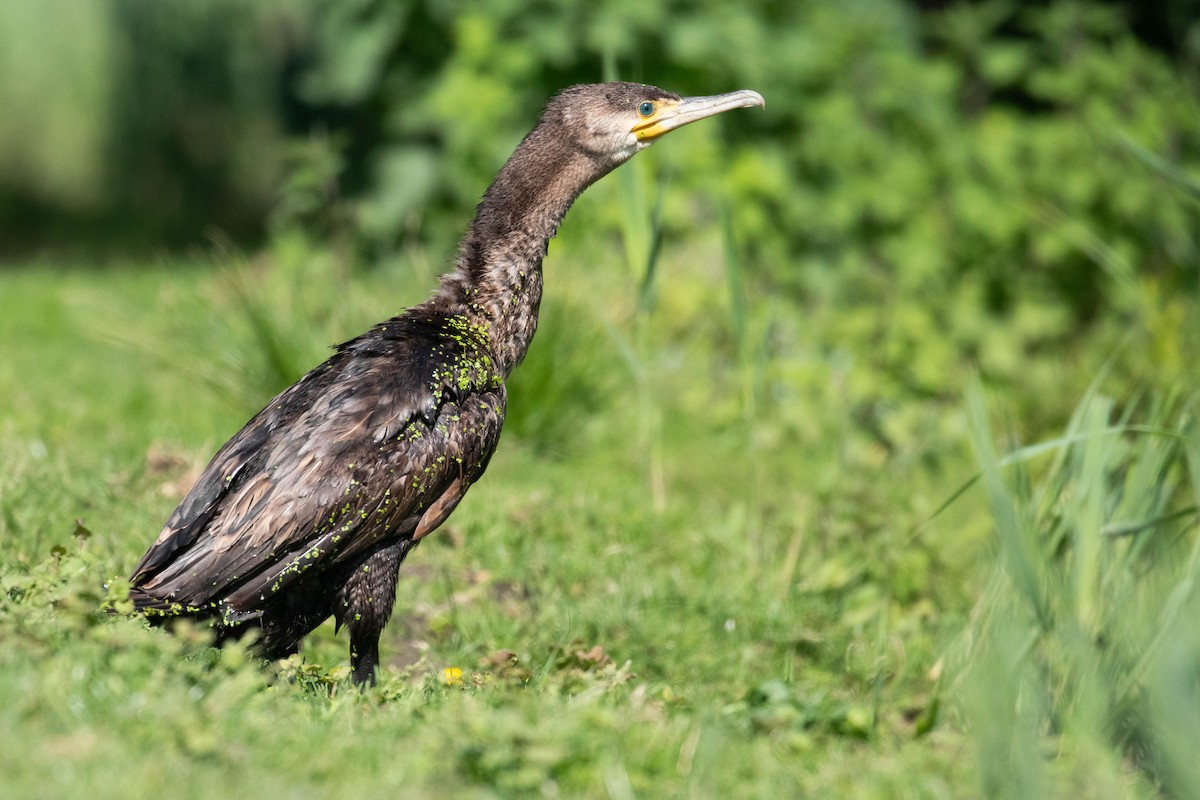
497 279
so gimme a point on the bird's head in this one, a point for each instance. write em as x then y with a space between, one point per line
612 121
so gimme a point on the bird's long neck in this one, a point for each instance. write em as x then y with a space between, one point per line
497 279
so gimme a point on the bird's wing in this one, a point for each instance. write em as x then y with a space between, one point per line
379 442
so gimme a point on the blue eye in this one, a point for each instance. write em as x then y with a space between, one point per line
646 108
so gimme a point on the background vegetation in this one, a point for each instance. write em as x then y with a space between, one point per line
856 455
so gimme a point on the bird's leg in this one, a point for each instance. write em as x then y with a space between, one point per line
364 604
364 655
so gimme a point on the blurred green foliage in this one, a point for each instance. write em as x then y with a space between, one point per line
935 188
900 146
140 123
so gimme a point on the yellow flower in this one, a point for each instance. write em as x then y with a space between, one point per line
452 676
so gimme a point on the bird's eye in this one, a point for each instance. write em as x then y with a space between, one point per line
646 108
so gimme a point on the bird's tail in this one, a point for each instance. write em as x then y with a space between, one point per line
156 609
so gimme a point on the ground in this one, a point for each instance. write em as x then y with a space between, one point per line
666 592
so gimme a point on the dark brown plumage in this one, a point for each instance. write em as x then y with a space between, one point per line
308 511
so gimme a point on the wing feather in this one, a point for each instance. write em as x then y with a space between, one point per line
379 440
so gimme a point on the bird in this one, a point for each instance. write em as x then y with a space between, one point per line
309 510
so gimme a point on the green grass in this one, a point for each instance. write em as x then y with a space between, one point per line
775 601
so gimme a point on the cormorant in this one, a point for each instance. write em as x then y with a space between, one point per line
308 511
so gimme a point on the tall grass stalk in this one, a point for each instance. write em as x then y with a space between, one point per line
736 285
751 357
1076 643
641 237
